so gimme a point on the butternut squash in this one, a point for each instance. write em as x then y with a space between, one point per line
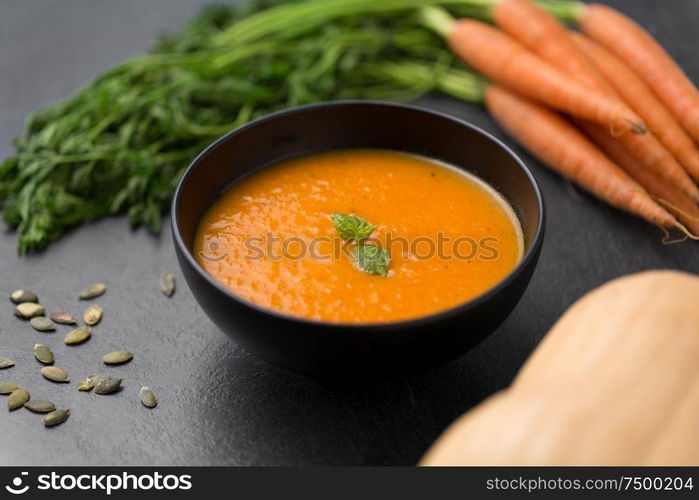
615 382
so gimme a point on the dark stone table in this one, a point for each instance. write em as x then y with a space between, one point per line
220 405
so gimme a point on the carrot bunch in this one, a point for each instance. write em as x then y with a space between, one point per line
607 108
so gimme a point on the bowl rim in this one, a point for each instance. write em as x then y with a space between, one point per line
472 303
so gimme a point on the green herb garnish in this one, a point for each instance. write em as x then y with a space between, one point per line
351 227
370 258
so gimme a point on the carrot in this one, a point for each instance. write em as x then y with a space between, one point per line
546 36
632 44
637 94
559 145
685 210
655 158
542 33
509 63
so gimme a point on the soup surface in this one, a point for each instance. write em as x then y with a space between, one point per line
271 240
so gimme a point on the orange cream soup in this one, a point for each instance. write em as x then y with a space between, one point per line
407 197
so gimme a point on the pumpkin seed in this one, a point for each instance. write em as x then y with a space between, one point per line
86 385
55 374
92 315
6 363
97 378
56 417
42 324
17 399
117 357
29 310
78 336
8 387
167 283
40 405
107 385
43 354
92 291
63 318
148 397
19 296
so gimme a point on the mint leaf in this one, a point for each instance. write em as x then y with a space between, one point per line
351 227
372 259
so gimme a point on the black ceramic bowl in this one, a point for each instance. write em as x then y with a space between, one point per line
315 347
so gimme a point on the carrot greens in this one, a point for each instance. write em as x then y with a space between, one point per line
120 144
